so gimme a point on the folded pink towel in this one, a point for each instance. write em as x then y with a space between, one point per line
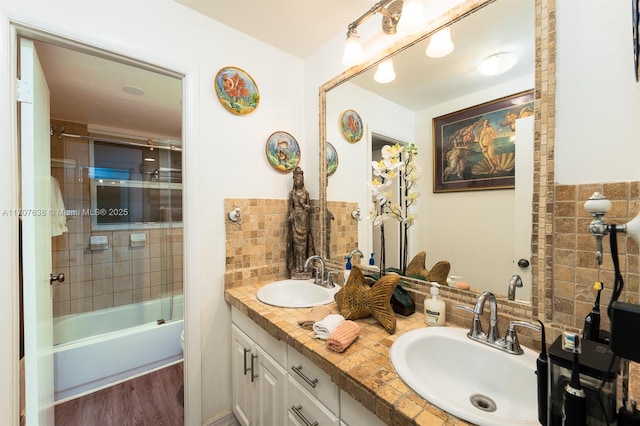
343 336
316 314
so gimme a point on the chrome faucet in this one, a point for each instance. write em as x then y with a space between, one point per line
492 338
515 281
493 335
358 252
323 277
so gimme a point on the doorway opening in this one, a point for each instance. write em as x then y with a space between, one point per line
115 163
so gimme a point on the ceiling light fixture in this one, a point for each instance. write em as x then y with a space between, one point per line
440 44
498 63
133 90
391 11
385 72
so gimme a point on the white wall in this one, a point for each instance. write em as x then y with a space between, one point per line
472 230
597 116
349 182
224 157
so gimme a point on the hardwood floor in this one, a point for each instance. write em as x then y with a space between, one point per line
150 400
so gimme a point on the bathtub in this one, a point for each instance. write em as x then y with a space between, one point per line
85 361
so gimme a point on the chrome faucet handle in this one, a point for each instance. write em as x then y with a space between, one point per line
475 330
317 276
330 275
511 343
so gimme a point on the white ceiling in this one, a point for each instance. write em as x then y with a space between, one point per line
88 88
298 27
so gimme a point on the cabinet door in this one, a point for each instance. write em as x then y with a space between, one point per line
271 390
243 389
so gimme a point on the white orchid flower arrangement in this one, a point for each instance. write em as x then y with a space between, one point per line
393 166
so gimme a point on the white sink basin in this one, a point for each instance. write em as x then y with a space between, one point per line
296 294
449 370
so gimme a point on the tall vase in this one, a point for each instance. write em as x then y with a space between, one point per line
382 250
404 252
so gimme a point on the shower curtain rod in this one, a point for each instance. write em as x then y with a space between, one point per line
151 142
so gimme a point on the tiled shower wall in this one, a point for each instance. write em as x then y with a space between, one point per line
119 275
256 245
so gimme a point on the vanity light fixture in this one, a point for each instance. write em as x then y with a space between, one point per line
498 63
440 44
385 72
353 53
391 11
413 19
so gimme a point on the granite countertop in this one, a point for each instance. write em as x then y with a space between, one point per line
363 370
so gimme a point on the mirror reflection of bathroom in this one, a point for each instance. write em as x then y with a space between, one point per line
116 168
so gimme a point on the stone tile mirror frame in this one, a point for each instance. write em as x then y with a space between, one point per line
543 177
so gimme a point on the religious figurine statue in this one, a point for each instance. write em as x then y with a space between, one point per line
299 239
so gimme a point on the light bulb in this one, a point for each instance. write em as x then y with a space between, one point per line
385 72
353 53
412 19
498 63
440 44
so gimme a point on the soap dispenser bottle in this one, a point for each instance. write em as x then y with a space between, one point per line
347 269
434 308
372 263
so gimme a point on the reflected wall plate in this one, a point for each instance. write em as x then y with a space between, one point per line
332 159
351 126
282 151
236 90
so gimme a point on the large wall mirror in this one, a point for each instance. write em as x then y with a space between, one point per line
482 233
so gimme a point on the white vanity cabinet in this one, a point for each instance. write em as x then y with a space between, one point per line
312 396
352 413
274 384
259 378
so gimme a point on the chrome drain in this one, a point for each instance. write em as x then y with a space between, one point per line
482 402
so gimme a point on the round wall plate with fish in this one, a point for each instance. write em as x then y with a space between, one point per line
332 159
236 90
351 126
282 151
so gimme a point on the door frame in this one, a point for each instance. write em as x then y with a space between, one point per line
9 199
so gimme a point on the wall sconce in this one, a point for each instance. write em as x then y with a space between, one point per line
385 72
234 215
356 215
440 44
391 11
598 205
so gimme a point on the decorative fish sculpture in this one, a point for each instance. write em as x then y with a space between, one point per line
357 300
438 273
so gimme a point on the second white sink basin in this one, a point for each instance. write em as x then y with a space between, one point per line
470 380
296 294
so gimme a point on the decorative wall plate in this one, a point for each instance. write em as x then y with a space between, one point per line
236 90
351 126
332 159
282 151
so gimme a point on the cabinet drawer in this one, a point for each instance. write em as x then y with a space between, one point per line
352 413
304 409
277 349
313 379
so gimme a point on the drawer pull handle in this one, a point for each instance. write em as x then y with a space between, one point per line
298 411
246 351
299 372
253 376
